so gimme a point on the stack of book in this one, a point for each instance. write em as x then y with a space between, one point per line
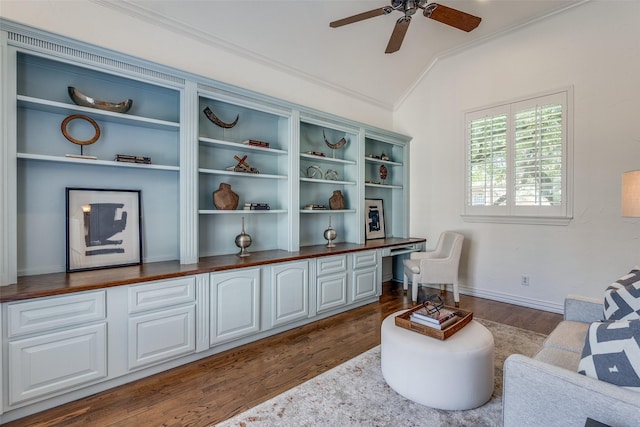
256 143
437 320
132 159
315 207
256 206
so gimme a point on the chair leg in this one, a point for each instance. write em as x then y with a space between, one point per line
414 289
456 293
443 289
405 283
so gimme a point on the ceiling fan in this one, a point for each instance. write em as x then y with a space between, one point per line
444 14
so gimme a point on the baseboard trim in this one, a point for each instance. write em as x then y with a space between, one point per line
510 299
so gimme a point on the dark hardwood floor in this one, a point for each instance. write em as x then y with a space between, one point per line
211 390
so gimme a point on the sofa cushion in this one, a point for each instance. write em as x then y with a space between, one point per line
612 353
622 298
558 357
567 336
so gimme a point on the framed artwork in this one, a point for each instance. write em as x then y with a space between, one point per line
103 228
374 219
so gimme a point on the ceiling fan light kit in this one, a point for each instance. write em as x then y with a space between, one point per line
447 15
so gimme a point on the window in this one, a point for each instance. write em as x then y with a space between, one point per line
517 157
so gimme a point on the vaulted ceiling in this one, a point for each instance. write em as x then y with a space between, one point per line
295 36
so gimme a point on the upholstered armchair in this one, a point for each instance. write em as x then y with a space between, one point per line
439 266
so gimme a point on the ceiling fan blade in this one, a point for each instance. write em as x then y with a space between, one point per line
402 25
361 16
453 17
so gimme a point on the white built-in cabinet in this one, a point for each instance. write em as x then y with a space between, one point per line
161 322
235 304
332 282
55 344
364 275
289 293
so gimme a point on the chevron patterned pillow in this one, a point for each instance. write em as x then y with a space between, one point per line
622 298
611 353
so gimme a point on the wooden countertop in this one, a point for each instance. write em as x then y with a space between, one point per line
43 285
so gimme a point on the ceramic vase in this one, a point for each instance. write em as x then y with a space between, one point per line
224 198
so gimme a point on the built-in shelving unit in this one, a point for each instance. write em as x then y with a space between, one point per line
191 157
221 150
150 128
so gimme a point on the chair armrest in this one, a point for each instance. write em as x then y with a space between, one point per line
583 309
540 394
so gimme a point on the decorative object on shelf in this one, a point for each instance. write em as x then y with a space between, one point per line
316 153
128 158
383 173
331 175
242 166
313 171
330 235
81 143
243 241
312 207
336 201
83 100
257 207
256 143
335 146
374 219
103 228
384 157
211 116
224 198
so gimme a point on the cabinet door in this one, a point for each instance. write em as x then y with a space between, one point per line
364 284
235 298
332 292
289 292
46 364
160 336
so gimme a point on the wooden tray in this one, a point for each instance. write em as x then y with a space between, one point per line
403 321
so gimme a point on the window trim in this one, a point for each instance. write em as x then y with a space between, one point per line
512 214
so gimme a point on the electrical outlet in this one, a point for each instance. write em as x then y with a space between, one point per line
525 280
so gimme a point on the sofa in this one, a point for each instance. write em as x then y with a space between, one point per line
547 390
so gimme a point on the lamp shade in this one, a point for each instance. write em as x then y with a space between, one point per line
631 194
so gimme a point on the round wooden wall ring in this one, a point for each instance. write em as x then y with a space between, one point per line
66 121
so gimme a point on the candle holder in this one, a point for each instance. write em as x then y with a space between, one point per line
330 235
243 241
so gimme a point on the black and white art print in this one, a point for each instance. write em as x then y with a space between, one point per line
374 219
103 228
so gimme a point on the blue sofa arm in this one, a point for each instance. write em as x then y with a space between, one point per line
540 394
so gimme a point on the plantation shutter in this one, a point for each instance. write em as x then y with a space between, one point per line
517 165
487 159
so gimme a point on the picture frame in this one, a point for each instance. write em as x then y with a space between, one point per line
374 219
103 228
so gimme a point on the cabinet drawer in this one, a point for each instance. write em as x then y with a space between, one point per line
44 314
364 259
43 365
161 294
163 335
332 264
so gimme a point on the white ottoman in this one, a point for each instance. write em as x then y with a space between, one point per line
453 374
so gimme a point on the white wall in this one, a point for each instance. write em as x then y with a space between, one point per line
595 48
105 27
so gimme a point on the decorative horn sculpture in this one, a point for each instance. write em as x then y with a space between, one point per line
335 146
211 116
83 100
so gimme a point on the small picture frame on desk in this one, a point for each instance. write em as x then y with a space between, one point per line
374 219
103 228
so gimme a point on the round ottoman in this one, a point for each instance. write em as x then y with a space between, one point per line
452 374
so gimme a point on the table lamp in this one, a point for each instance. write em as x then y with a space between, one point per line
631 194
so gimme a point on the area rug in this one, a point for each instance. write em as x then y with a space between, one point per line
356 394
